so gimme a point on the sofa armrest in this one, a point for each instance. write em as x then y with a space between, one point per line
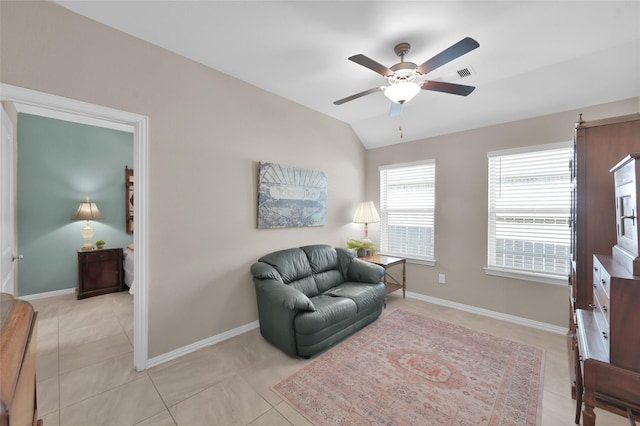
365 272
264 271
278 305
272 292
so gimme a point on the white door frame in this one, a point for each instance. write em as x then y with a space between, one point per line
139 124
7 193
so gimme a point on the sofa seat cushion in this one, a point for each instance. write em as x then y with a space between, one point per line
330 310
363 294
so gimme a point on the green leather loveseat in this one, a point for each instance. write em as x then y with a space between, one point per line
314 296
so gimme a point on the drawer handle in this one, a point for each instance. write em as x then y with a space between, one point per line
604 335
604 282
604 308
592 305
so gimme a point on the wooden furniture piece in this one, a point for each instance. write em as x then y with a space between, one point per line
128 198
387 262
605 385
608 333
608 336
598 146
18 330
615 311
626 192
99 272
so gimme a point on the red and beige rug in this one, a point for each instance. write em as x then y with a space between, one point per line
406 369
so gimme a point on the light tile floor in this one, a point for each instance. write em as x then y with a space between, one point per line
85 372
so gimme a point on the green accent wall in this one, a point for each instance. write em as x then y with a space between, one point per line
60 163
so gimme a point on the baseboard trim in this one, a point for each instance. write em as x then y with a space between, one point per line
47 294
491 314
177 353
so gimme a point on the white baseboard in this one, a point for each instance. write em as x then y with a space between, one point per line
492 314
48 294
160 359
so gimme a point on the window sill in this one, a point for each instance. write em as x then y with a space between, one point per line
426 262
518 275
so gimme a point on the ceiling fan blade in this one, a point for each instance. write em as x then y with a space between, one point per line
442 86
396 109
358 95
465 45
371 64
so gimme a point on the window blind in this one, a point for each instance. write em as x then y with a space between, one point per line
407 204
529 209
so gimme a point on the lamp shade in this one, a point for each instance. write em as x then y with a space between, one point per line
366 213
402 91
87 211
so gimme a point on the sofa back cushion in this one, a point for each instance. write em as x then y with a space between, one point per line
323 260
294 268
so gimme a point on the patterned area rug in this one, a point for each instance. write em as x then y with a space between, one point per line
406 369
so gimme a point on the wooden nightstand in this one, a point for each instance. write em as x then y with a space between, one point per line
99 272
387 262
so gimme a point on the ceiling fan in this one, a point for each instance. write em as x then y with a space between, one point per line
402 77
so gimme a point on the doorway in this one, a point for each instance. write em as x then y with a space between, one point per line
139 126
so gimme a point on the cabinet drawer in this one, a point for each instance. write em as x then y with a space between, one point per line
600 305
601 314
100 256
603 284
601 289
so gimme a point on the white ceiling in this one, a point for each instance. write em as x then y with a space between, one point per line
535 57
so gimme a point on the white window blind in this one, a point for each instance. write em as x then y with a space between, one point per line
407 203
529 209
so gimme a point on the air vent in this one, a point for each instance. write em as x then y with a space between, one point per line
454 76
464 72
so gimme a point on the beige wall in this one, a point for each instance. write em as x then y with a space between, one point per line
207 133
461 212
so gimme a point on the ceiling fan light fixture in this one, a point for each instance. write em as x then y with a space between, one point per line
402 92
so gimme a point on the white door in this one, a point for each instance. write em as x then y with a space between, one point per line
7 227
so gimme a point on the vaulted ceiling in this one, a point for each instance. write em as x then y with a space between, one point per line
535 57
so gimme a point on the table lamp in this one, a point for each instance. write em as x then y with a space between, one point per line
366 213
87 211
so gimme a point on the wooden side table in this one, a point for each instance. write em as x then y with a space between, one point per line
387 262
99 272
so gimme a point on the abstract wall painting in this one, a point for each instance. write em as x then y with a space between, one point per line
290 197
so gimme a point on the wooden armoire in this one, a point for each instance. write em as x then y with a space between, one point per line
598 147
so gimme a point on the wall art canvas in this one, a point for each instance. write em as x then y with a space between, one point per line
290 197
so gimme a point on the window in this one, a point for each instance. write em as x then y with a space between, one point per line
529 209
407 202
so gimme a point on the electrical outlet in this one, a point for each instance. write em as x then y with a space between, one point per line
442 279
